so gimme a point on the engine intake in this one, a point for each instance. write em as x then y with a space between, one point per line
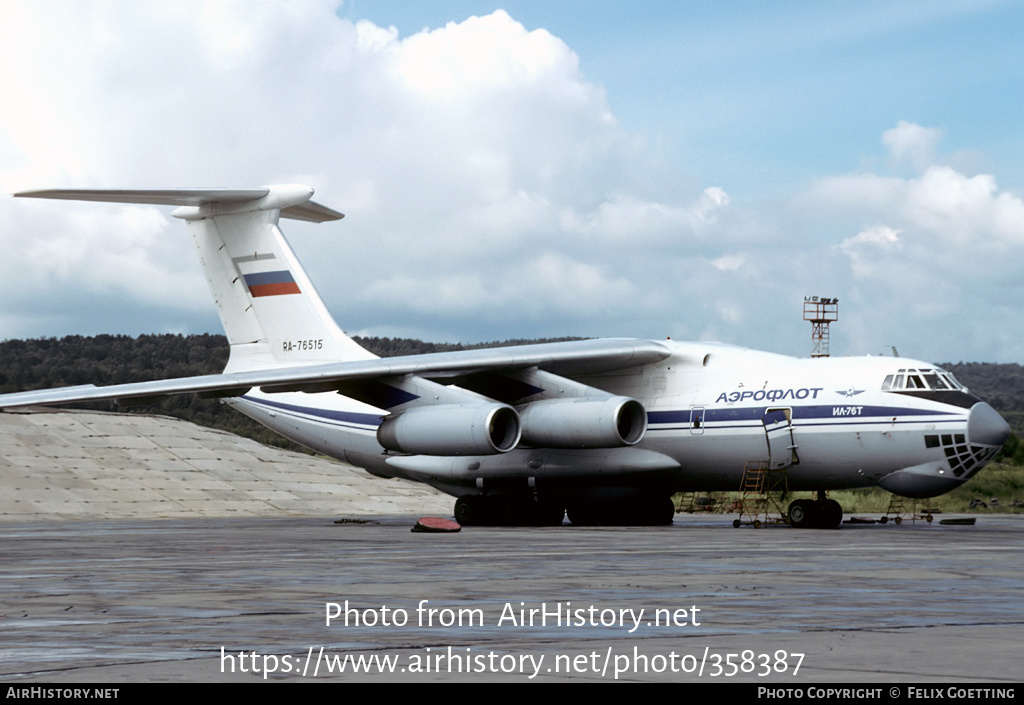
584 422
451 429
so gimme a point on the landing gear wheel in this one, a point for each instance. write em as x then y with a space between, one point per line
498 510
798 514
736 523
804 514
831 514
664 512
471 510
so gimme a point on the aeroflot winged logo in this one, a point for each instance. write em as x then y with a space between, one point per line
266 283
851 392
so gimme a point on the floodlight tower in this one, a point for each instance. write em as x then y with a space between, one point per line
820 312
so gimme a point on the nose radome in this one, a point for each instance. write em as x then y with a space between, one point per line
986 426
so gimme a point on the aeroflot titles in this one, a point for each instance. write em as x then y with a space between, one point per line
769 395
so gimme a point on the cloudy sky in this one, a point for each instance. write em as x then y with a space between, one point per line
533 168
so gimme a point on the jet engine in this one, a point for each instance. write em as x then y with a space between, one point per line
451 429
584 422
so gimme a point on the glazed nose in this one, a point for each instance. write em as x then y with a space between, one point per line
986 427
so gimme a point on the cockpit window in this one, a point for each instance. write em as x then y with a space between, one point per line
932 378
951 380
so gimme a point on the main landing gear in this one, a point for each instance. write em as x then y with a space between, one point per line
815 513
485 510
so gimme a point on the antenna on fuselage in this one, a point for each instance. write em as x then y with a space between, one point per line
820 311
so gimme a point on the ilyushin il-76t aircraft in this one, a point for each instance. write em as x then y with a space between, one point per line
606 430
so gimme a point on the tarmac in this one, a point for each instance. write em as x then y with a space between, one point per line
120 565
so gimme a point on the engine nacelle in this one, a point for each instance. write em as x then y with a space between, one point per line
584 422
451 429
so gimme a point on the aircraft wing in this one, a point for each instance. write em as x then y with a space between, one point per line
568 358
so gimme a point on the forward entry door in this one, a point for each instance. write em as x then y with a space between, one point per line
778 429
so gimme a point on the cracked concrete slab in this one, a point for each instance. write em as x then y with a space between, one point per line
80 465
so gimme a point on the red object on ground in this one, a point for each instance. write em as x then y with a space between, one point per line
437 525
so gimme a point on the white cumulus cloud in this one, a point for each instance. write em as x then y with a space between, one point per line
486 181
942 253
912 144
489 190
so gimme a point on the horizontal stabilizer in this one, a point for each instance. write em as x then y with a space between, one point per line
195 197
311 213
159 197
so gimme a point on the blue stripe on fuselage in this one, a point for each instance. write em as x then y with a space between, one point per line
350 418
817 415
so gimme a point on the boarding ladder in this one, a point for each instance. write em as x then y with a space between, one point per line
704 502
900 507
757 506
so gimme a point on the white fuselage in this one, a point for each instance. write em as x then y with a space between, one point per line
712 410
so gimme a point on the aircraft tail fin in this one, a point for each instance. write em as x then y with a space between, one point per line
272 314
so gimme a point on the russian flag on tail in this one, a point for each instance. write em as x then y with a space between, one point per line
271 283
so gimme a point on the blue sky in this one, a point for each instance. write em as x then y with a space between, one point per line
741 89
690 169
